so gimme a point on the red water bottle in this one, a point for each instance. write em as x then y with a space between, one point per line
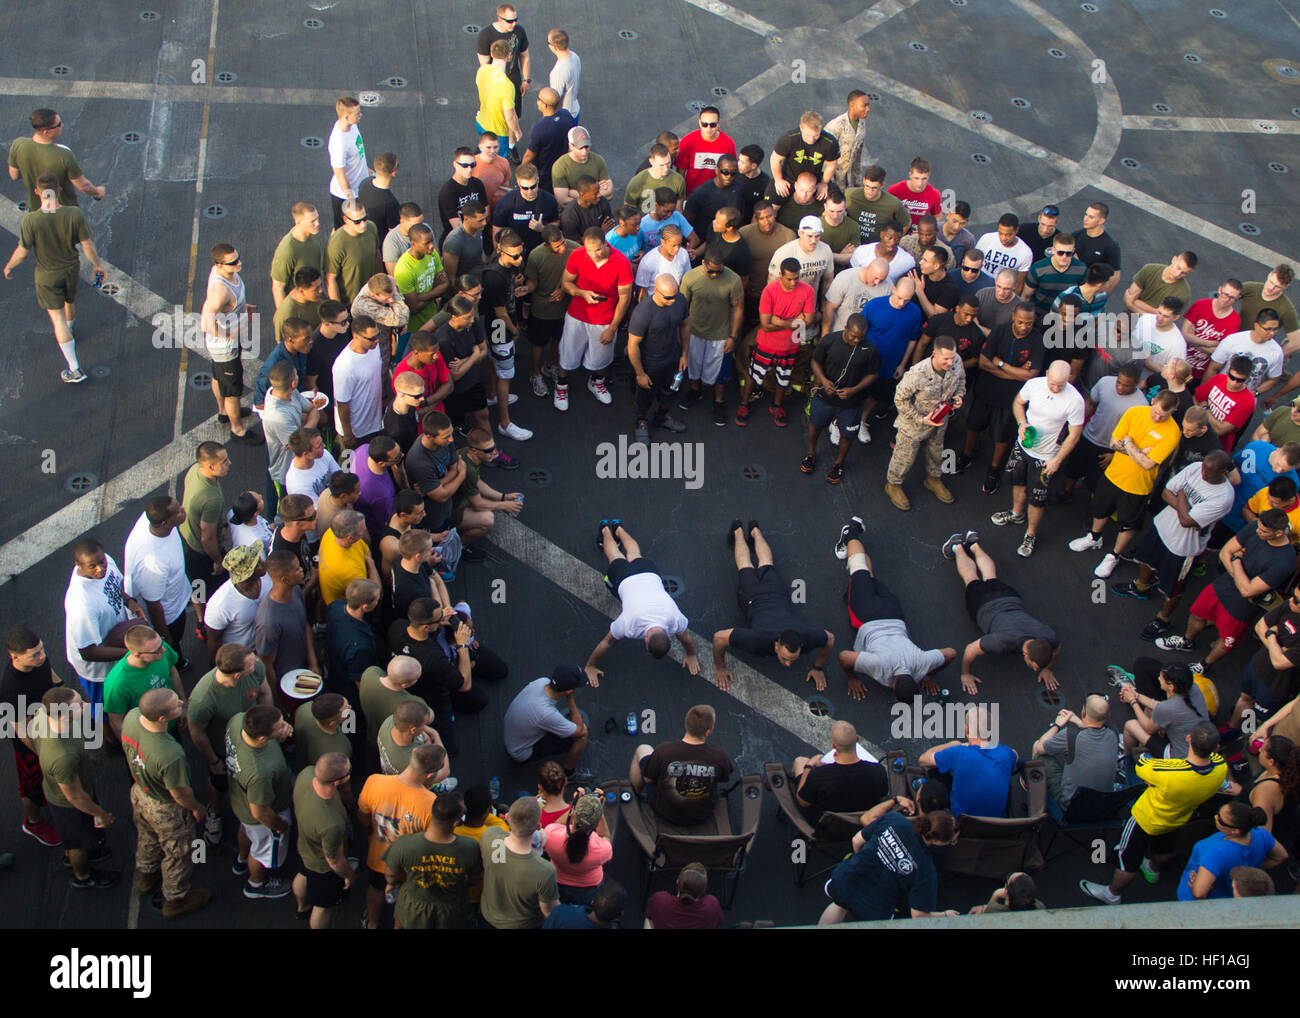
941 411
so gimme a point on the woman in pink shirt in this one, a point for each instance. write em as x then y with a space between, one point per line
579 848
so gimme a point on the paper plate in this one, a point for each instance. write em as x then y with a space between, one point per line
286 685
314 394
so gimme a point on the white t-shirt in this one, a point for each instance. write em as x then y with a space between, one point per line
653 265
901 264
564 79
816 268
155 569
348 153
1208 503
1266 357
231 611
850 294
646 606
1158 347
996 257
1110 408
246 533
1047 413
313 480
358 382
90 609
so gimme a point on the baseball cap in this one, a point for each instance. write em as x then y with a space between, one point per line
811 223
567 678
241 562
579 136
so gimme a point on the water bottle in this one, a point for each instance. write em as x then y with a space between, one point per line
631 722
611 799
943 695
899 765
494 789
390 895
677 381
99 280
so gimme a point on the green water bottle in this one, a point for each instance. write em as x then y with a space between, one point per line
1031 437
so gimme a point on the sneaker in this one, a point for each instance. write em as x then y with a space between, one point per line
848 532
600 533
562 397
808 463
992 482
192 902
73 377
689 398
731 532
503 460
549 371
269 889
239 867
864 433
43 831
212 828
949 547
514 398
1198 570
1175 642
1099 891
1006 518
742 415
720 414
96 880
1087 543
881 412
1151 876
582 776
1130 589
1027 546
1155 629
670 423
963 463
642 433
971 538
833 433
540 389
1106 566
596 386
446 785
779 416
472 553
98 855
513 430
1196 667
835 474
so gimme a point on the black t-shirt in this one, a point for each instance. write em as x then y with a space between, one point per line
320 362
1186 398
752 190
1193 450
706 201
944 293
803 156
686 779
845 366
401 428
575 220
406 587
1038 244
513 211
426 469
1260 560
381 207
301 548
1018 353
498 290
31 686
1091 250
549 140
969 338
658 328
455 345
439 678
843 788
452 198
1281 682
516 39
735 256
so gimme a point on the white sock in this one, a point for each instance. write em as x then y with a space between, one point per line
69 351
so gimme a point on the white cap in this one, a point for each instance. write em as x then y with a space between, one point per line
811 223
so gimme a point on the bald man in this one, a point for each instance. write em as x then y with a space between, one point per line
383 689
846 780
1043 408
1079 751
658 345
549 137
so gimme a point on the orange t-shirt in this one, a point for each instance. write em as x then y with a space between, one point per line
395 809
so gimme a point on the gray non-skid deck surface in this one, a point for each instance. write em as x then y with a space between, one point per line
129 75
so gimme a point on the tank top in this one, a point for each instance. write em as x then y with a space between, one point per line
234 321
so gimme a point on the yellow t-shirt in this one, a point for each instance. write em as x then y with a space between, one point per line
1259 502
476 833
1156 441
495 91
1174 789
340 566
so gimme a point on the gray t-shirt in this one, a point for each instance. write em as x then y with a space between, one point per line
1007 625
395 244
531 715
992 313
468 251
1110 408
280 419
280 629
884 650
1094 760
1177 719
850 294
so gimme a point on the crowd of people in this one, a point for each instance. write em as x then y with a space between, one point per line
338 658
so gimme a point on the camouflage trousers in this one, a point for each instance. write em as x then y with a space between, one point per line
164 840
907 445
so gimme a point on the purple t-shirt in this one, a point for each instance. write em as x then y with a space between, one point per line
377 492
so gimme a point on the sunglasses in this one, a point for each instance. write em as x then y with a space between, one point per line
528 187
235 262
466 166
582 148
971 268
1050 210
709 123
726 173
355 222
1063 251
510 21
1238 378
479 448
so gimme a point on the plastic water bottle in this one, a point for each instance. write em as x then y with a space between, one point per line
899 764
494 789
943 695
631 722
99 280
390 895
1031 437
677 381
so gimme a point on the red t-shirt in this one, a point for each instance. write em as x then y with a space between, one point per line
1234 407
917 205
436 373
1209 328
697 159
777 301
605 279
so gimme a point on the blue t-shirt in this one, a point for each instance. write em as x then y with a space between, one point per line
981 777
630 246
548 140
891 329
651 228
971 287
571 917
278 354
1252 454
1219 855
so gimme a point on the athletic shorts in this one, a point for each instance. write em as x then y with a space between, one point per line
1128 509
981 592
1135 844
580 346
199 567
460 405
870 600
30 778
324 890
229 376
998 421
1083 461
550 744
821 413
1027 472
54 289
704 359
753 582
269 848
77 829
781 363
1171 570
1208 607
377 879
620 569
542 331
1251 685
502 356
